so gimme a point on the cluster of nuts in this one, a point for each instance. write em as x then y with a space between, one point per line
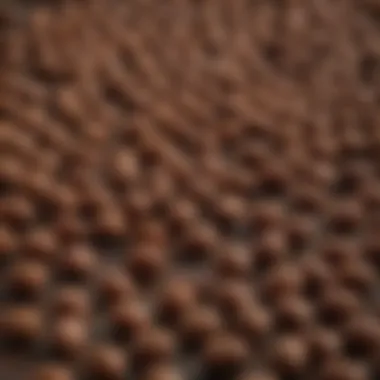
191 190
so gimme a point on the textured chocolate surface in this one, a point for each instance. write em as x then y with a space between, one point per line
189 190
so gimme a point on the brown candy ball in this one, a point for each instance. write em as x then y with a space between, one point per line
336 306
233 262
40 185
12 171
71 301
290 354
293 313
300 232
254 322
128 319
77 263
282 281
108 226
69 228
198 243
232 208
307 199
114 285
224 354
20 326
152 346
337 252
147 263
198 324
69 337
317 276
274 179
324 344
184 211
357 276
267 215
27 279
175 299
351 180
66 198
125 166
139 203
362 335
345 216
17 210
106 362
270 250
232 296
152 231
40 244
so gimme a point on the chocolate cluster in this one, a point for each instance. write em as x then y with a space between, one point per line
190 190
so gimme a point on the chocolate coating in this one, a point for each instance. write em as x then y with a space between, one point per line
190 189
